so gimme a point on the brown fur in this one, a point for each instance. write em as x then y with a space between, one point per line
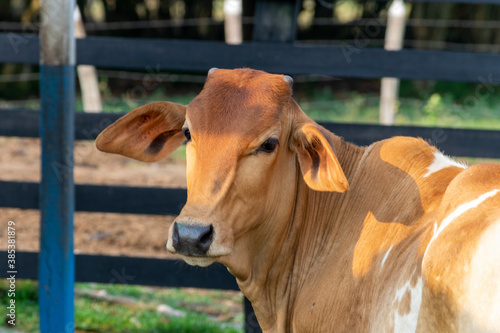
309 257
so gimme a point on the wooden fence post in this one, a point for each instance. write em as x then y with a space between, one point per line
232 21
276 20
57 82
394 35
87 74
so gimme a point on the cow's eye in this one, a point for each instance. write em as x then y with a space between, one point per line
187 134
268 146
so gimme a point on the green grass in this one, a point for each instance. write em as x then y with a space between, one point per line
26 305
443 110
206 311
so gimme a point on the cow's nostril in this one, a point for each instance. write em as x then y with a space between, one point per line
192 239
206 239
175 236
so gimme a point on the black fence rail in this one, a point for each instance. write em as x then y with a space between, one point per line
287 58
134 270
452 141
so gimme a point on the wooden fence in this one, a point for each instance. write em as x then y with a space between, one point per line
272 50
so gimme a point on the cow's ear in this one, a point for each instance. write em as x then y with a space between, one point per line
148 133
318 161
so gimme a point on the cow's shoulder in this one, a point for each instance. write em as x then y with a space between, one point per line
414 166
413 155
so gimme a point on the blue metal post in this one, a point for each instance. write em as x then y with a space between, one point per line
57 79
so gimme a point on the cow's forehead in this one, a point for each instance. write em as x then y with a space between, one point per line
240 100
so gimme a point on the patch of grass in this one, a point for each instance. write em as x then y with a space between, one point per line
206 310
94 316
442 110
26 297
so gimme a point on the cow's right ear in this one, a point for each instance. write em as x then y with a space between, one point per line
318 162
148 133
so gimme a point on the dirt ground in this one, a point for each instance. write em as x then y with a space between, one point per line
95 233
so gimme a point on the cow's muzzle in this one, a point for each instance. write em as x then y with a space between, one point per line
192 240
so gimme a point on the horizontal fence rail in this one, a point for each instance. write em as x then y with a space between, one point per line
457 142
101 198
199 56
26 123
131 270
451 141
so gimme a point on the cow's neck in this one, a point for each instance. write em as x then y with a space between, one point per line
276 275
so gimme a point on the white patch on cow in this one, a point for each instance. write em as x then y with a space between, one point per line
440 162
385 257
457 212
408 322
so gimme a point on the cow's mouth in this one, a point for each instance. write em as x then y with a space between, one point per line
202 261
198 261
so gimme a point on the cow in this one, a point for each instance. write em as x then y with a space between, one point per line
323 235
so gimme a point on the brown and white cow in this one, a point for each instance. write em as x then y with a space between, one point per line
323 235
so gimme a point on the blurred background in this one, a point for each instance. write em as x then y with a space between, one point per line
431 26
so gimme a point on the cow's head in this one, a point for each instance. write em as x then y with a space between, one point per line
244 135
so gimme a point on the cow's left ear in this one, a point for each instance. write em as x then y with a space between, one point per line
148 133
318 162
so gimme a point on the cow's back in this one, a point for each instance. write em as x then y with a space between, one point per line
461 266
